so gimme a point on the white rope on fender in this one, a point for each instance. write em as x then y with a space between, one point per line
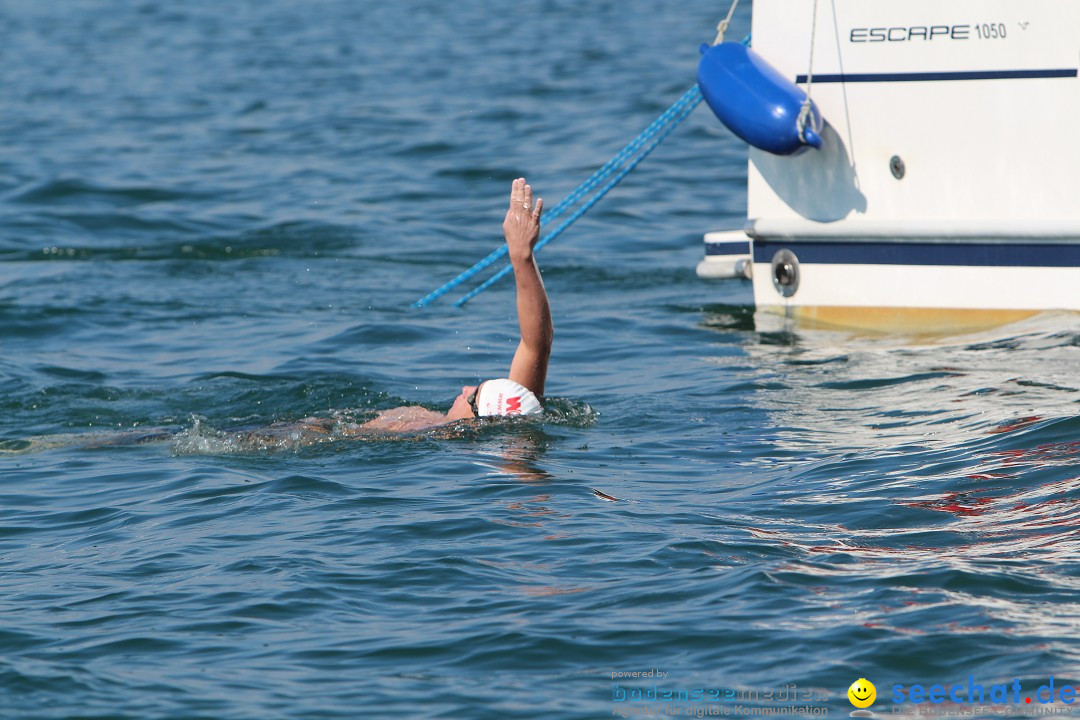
804 112
722 27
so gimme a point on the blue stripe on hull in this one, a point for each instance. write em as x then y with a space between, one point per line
915 253
940 76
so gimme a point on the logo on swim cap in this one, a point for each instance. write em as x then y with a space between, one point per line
506 397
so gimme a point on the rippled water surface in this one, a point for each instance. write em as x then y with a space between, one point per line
216 217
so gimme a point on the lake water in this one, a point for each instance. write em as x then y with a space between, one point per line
218 215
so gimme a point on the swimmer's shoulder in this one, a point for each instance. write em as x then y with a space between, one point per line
409 418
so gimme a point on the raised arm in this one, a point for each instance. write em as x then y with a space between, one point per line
522 229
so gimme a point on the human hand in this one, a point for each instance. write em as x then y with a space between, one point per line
522 223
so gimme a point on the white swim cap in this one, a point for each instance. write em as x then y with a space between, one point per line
506 397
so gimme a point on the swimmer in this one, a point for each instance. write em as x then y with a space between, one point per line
520 393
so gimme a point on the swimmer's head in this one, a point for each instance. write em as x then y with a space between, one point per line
493 398
504 397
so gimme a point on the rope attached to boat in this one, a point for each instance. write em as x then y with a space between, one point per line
804 111
659 129
692 98
722 27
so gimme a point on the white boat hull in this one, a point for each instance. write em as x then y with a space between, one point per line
950 176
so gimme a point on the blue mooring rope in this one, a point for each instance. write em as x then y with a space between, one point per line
663 126
593 200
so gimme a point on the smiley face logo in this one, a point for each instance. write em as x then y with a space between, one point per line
862 693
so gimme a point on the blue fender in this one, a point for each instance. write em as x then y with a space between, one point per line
755 101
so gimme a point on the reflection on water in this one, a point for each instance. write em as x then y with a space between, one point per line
877 392
952 461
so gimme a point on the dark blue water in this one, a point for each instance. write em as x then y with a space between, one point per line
217 215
